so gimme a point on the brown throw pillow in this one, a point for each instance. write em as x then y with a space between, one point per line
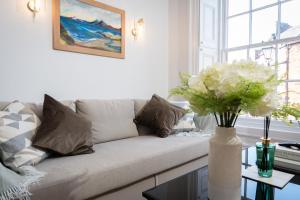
63 131
159 115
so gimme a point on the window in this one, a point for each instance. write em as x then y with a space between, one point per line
268 32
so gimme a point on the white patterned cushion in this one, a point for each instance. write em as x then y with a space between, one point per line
18 125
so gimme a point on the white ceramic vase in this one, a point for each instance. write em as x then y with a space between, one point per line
224 165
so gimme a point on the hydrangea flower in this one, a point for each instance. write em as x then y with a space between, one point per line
228 89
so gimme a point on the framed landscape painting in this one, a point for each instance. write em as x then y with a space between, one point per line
90 27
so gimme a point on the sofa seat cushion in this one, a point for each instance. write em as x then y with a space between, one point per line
115 164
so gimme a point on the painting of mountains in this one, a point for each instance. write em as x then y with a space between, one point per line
88 26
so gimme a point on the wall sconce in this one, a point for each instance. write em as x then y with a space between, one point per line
138 28
34 6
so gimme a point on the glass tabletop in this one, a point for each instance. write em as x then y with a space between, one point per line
194 185
249 188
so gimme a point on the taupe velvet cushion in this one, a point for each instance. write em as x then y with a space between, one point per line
111 119
138 106
62 130
159 115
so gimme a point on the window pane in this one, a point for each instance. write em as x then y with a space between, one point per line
264 24
289 62
237 6
282 53
294 92
294 61
238 31
289 92
282 75
237 55
281 89
282 58
290 23
263 55
261 3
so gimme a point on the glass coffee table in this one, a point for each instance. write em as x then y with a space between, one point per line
194 186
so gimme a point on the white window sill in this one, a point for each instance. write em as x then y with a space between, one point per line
253 127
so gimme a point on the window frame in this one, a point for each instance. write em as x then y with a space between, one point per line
252 128
251 45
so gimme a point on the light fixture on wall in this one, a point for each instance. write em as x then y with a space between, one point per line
34 6
138 28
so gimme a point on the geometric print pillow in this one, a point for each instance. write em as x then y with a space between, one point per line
18 125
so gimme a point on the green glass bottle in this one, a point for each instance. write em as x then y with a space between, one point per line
265 152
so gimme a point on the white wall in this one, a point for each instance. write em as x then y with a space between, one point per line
178 39
183 38
29 67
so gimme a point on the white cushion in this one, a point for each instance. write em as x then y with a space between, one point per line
37 108
18 126
111 119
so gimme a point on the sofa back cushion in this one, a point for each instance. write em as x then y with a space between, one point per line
111 119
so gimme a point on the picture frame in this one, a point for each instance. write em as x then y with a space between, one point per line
88 27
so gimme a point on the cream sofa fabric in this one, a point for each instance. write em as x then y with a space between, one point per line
111 119
115 164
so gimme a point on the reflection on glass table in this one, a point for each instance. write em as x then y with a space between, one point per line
194 186
253 190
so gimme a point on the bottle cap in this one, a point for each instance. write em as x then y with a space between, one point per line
265 141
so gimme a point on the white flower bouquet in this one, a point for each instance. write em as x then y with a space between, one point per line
226 90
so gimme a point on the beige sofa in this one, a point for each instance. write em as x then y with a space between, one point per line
119 169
